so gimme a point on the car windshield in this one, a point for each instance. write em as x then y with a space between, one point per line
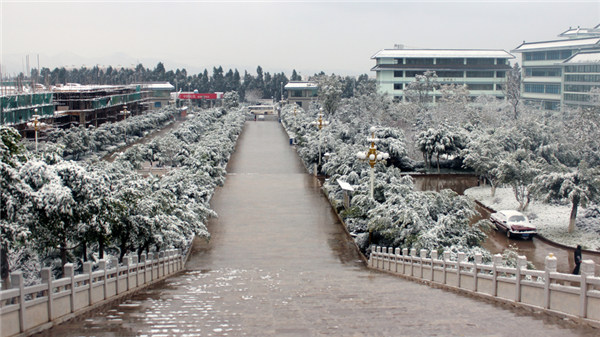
517 218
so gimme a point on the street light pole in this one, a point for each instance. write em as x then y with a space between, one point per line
372 156
125 112
320 123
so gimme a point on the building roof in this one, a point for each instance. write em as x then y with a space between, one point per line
576 33
162 85
301 85
558 44
76 87
451 53
584 57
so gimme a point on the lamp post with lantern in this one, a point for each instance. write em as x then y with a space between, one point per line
36 124
125 112
372 156
320 123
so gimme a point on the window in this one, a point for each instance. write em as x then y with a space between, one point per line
501 61
480 61
501 74
398 73
413 73
446 74
542 72
397 86
480 74
480 86
553 55
564 54
157 104
419 61
399 61
536 88
553 88
499 87
450 61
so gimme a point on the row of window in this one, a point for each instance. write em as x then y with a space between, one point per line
542 88
579 87
450 61
448 74
547 55
470 86
542 72
577 97
546 105
590 68
582 78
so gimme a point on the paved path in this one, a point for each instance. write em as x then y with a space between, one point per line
279 264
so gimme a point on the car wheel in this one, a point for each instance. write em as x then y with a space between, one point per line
508 233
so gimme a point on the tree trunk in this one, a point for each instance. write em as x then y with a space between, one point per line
63 257
573 214
101 248
4 268
493 189
84 248
438 162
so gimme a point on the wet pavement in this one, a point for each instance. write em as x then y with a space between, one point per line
280 264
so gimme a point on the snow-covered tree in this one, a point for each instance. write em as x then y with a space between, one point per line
580 186
512 89
518 169
329 92
419 91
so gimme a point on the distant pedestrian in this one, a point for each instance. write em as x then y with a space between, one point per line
577 256
255 117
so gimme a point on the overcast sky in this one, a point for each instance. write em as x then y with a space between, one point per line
334 36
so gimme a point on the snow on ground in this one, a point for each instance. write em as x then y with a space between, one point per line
551 221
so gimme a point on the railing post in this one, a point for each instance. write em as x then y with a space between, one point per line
550 268
496 261
137 270
521 263
413 256
434 257
16 281
151 261
404 257
126 264
102 266
46 274
161 256
397 257
115 262
143 263
446 259
423 256
587 269
70 272
87 269
461 258
476 263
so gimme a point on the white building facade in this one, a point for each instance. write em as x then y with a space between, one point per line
482 71
581 73
543 65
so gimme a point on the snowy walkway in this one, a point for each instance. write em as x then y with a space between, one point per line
279 264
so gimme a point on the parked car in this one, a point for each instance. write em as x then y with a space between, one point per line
514 223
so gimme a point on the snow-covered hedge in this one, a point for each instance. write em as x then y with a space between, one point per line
398 216
60 210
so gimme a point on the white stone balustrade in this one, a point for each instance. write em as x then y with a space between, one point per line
38 307
574 296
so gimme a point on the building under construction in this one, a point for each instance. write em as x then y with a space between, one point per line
85 105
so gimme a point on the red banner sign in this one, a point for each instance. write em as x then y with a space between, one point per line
192 95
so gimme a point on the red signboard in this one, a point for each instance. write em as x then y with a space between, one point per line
193 95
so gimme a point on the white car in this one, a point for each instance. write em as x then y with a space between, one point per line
514 223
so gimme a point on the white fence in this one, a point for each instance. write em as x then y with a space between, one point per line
32 308
576 296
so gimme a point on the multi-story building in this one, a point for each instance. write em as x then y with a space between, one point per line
543 64
482 71
301 93
581 73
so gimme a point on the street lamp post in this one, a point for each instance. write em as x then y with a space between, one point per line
320 123
125 112
372 156
36 127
